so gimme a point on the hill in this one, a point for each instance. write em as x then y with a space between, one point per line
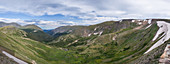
2 24
114 42
36 33
17 44
130 41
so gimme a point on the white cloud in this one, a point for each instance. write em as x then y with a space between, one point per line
97 20
54 24
85 8
88 10
41 23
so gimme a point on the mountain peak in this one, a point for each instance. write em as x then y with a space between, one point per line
32 26
2 24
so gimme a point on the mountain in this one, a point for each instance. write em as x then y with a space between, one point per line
63 30
129 41
32 26
116 42
104 28
17 44
36 33
2 24
92 30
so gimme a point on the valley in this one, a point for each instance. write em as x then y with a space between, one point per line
128 41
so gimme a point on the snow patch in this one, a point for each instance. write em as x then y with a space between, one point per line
35 30
95 29
140 23
145 20
139 20
76 41
89 34
114 37
100 33
120 21
163 27
95 33
133 20
149 21
14 58
148 26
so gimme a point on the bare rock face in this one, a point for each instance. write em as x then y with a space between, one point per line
165 57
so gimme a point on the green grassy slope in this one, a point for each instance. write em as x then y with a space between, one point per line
83 32
36 33
31 26
120 43
129 44
30 50
106 27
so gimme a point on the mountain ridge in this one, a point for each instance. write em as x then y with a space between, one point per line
111 42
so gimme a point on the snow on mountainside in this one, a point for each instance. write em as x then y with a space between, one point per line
14 58
163 32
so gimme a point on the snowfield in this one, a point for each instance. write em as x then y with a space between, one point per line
14 58
164 28
148 26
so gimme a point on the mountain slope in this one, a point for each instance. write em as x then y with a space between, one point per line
63 30
31 50
112 42
31 26
94 30
36 33
103 28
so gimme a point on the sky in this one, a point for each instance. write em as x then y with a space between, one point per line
50 14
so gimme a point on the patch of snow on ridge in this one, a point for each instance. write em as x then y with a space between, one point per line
163 27
95 33
120 21
95 29
148 26
149 21
100 33
133 20
89 34
140 23
14 58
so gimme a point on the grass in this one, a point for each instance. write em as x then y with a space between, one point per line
129 45
29 50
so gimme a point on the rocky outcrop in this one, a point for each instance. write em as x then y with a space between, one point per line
165 57
6 60
151 57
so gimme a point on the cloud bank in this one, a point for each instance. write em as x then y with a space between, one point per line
89 8
90 11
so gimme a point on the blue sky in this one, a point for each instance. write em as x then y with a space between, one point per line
42 17
32 18
49 14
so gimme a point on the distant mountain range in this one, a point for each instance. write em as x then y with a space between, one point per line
128 41
2 24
